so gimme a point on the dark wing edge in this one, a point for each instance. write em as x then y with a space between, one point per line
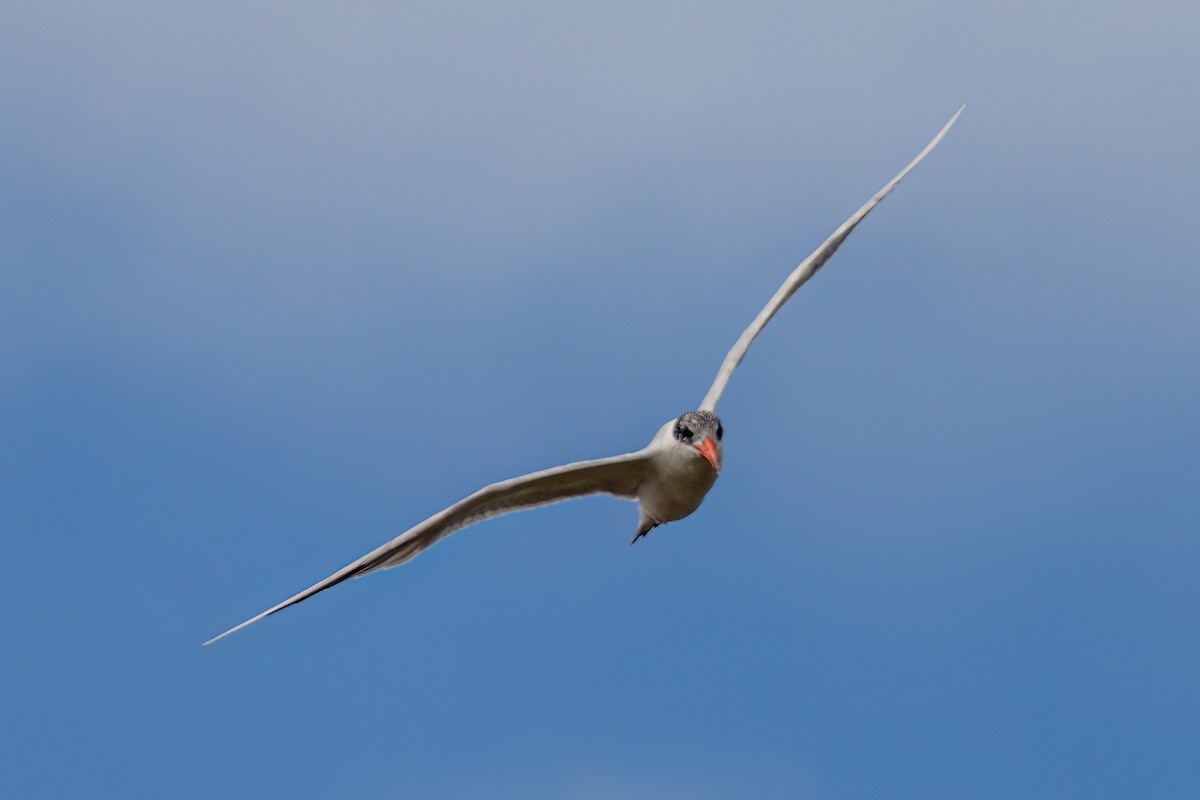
619 476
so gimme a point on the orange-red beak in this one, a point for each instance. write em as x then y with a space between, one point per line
708 449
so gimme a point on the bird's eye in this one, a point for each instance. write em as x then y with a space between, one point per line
683 433
720 432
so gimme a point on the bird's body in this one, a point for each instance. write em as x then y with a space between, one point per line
669 478
678 478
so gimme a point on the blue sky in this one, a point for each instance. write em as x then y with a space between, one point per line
280 280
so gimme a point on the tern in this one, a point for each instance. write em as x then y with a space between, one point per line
668 478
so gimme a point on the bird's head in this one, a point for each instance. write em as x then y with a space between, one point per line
701 430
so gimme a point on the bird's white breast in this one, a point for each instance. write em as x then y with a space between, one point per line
678 480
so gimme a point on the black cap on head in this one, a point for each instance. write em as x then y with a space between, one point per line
696 426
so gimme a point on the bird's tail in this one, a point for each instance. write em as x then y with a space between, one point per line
645 525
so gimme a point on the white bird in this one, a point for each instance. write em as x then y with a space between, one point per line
668 478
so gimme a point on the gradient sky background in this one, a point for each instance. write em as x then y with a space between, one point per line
280 280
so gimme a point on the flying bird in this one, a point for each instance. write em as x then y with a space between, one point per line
668 478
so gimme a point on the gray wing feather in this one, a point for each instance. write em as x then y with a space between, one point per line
619 476
803 272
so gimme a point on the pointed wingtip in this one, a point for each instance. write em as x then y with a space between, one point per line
237 628
942 132
221 636
953 120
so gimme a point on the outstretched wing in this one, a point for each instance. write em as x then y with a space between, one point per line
803 272
619 476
